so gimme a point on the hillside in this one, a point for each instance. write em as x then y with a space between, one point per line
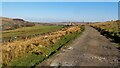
9 23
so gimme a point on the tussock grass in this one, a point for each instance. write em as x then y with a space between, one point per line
109 29
35 50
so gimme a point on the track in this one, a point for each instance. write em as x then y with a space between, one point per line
90 49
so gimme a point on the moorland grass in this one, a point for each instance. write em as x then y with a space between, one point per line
28 31
32 59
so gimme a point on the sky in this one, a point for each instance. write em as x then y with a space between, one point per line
61 11
60 0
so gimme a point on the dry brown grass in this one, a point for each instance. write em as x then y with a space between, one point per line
12 50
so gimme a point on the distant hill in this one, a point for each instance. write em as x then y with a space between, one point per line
9 23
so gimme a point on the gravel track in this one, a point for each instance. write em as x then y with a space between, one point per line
90 49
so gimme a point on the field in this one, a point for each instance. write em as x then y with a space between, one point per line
109 29
22 52
27 32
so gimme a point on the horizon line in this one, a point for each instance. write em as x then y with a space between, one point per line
54 21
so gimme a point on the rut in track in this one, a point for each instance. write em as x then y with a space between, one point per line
90 49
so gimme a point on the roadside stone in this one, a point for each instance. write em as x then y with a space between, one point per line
70 48
55 64
106 47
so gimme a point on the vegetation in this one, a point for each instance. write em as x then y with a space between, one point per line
110 29
35 50
27 32
10 24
